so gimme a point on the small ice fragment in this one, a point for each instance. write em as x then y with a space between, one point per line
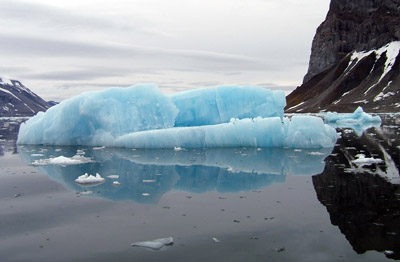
316 153
99 148
155 244
216 240
87 179
230 169
34 155
149 181
365 161
178 148
113 176
79 152
145 194
259 149
58 150
388 252
86 192
116 183
63 161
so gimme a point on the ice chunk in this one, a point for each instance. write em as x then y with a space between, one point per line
300 132
365 161
95 118
63 161
155 244
87 179
210 106
359 116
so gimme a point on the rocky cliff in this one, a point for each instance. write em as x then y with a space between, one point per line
353 26
353 59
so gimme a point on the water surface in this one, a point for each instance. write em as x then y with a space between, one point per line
261 204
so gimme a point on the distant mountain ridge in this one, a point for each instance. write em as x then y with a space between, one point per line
18 100
354 60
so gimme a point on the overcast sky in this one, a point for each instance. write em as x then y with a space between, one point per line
61 48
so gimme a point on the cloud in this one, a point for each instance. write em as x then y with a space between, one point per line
39 15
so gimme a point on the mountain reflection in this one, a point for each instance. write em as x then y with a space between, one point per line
145 175
364 202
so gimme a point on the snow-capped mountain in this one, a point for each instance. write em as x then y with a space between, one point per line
354 60
18 100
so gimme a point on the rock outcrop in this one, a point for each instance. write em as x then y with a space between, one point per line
353 26
355 60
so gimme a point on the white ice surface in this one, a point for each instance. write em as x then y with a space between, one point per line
365 161
63 161
89 179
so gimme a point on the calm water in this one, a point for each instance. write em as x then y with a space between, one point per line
261 204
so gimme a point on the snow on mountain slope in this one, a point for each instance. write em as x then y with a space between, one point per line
17 100
369 78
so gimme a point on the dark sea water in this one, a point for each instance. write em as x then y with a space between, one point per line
237 204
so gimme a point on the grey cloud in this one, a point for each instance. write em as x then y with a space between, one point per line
38 14
276 86
89 73
140 56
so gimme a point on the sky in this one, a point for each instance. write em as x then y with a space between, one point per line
61 48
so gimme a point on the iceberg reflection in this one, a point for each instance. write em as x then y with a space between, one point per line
144 176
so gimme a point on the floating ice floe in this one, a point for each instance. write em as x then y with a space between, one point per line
87 179
358 116
63 161
155 244
142 117
365 161
358 120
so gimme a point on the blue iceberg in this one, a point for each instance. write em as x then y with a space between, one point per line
357 117
141 116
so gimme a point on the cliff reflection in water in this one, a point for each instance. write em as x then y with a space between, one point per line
364 202
145 175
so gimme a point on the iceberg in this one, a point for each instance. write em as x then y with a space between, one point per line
358 116
142 117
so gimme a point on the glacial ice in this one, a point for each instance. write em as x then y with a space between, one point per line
211 106
358 116
142 117
300 132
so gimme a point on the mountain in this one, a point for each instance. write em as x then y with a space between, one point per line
353 60
18 100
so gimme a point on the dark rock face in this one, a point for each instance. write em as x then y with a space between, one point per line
18 100
355 60
353 25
